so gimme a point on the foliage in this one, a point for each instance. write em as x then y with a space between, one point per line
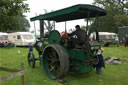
117 14
48 24
83 27
10 11
24 24
111 75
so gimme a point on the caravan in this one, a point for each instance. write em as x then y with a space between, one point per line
21 38
107 38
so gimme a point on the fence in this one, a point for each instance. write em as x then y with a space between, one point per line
16 72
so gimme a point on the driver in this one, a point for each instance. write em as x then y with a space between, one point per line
78 37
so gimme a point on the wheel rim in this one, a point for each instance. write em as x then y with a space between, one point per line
54 63
31 60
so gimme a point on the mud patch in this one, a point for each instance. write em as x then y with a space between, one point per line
113 60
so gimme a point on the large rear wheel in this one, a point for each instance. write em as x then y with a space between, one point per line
55 61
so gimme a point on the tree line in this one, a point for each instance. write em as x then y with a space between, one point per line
12 18
117 14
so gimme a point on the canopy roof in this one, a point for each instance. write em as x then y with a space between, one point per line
71 13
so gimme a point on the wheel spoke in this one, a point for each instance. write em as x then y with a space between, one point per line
52 68
49 58
51 64
31 63
53 61
30 59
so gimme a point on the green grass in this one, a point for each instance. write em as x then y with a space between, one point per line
111 75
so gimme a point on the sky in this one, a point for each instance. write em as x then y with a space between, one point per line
37 7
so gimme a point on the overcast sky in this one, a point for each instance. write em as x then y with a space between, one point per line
37 7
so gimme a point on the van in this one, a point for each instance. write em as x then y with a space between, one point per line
107 38
4 42
3 39
21 38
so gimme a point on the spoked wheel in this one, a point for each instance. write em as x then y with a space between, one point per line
31 59
55 61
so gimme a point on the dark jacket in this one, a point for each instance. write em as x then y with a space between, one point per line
81 35
101 62
126 39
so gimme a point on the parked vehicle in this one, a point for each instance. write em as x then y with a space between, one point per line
107 38
122 31
21 38
4 42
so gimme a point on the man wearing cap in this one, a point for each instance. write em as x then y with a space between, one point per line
78 36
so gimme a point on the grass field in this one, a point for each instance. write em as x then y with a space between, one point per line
111 75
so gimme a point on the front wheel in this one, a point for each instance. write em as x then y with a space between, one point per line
31 59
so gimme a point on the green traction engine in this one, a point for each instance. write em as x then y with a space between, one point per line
55 55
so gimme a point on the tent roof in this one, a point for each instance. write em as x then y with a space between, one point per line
71 13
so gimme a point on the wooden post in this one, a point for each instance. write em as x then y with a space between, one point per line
22 77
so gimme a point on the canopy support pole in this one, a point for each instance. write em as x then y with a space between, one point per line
87 21
65 27
97 17
41 29
35 29
54 24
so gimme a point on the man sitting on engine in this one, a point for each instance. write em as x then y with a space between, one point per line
78 37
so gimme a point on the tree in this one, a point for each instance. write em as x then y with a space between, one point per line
10 11
48 24
25 25
117 14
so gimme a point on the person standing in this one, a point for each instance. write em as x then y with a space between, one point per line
125 39
101 61
30 48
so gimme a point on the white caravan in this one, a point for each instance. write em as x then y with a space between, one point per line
21 38
106 38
